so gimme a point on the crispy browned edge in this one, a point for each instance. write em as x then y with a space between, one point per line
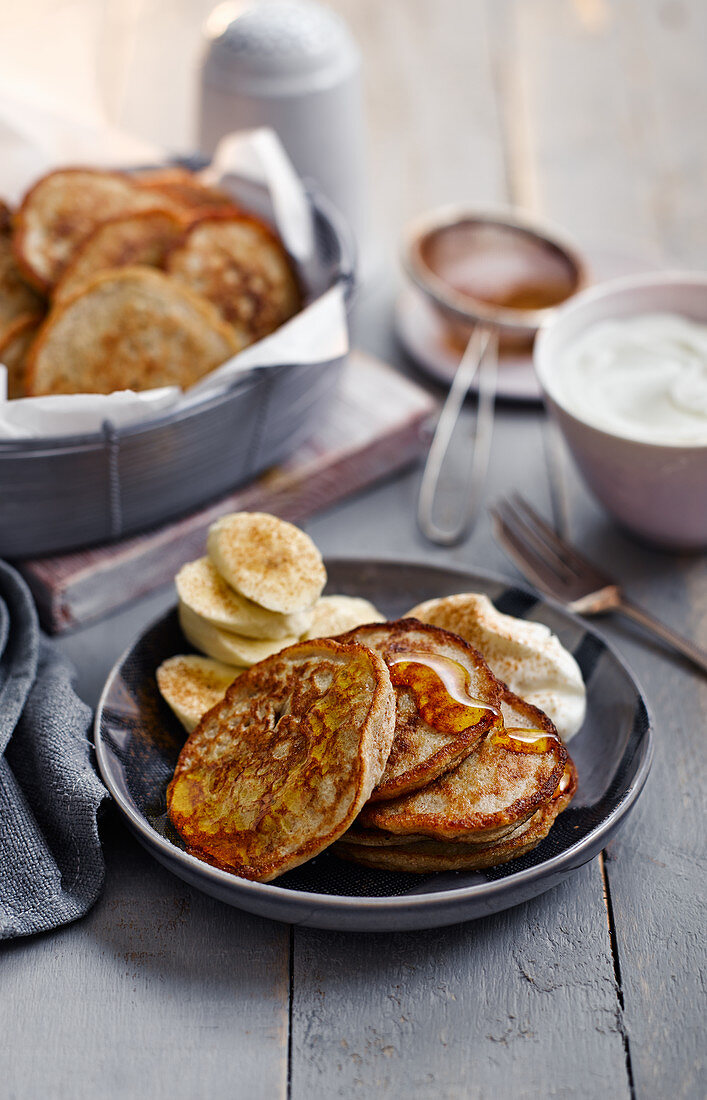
226 215
503 851
420 863
60 308
32 277
454 751
181 219
425 824
25 320
18 325
185 187
382 701
16 328
5 217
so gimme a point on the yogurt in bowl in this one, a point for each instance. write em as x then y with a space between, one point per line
623 368
642 377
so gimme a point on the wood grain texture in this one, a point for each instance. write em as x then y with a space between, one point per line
656 866
431 109
159 992
584 110
578 157
487 1009
612 90
460 1012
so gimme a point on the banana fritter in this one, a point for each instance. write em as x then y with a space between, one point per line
280 768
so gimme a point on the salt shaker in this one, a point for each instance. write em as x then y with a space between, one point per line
294 66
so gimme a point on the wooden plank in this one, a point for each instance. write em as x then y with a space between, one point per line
632 143
666 45
159 991
489 1008
432 122
656 867
375 427
443 1013
492 1008
578 146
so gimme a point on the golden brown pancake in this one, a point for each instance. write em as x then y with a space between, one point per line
15 341
239 264
62 210
279 769
17 298
140 238
425 856
21 310
434 730
128 329
493 790
526 655
185 187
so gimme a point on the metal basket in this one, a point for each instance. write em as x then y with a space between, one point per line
60 494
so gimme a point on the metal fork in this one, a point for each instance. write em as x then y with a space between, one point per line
560 571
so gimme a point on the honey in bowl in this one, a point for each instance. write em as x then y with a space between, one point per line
500 265
478 268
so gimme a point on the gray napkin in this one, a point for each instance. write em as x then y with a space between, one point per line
51 866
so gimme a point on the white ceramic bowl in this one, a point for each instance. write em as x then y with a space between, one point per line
657 491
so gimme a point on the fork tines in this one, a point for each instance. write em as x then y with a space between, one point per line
551 563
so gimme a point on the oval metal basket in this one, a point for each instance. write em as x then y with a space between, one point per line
60 494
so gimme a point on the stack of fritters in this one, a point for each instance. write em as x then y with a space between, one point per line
462 772
137 281
256 592
491 799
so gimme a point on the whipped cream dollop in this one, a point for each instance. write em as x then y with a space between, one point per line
525 655
642 377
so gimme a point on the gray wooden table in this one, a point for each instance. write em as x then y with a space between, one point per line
591 112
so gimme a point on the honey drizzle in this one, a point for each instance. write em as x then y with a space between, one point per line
440 686
525 739
445 702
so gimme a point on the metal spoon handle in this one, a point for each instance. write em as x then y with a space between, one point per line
480 354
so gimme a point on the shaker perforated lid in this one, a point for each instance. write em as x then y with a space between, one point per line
278 47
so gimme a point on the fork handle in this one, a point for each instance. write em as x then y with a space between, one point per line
688 649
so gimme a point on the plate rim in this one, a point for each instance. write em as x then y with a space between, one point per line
562 862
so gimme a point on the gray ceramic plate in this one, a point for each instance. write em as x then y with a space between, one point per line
138 741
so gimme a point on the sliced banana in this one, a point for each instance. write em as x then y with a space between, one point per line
267 560
202 589
232 649
336 614
191 685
